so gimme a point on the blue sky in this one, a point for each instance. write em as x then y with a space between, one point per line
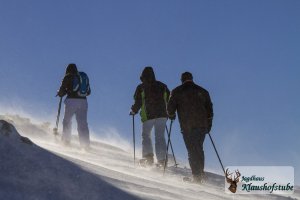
246 53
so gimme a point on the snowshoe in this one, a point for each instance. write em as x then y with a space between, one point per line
187 179
160 164
194 180
145 163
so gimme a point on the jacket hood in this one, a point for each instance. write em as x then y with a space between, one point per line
148 75
71 69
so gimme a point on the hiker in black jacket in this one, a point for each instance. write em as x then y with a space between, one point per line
151 97
195 114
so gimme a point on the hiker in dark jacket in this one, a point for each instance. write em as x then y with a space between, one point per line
195 114
151 97
75 104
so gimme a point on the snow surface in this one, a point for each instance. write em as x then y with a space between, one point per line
47 170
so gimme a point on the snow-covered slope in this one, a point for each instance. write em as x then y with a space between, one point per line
47 170
28 171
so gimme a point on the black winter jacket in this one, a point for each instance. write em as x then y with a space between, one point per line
193 106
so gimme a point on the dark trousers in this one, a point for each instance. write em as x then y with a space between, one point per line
194 140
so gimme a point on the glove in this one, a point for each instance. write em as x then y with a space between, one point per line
59 94
131 112
172 117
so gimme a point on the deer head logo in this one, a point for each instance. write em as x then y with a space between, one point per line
233 182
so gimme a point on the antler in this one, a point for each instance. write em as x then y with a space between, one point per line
229 180
238 174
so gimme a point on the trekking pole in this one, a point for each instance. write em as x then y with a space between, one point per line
55 130
166 158
216 152
171 147
133 135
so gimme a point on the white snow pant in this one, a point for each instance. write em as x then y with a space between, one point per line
160 142
77 107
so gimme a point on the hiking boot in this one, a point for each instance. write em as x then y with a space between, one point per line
66 143
85 147
199 179
160 164
147 160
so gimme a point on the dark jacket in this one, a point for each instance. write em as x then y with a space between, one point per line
66 87
151 97
193 106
